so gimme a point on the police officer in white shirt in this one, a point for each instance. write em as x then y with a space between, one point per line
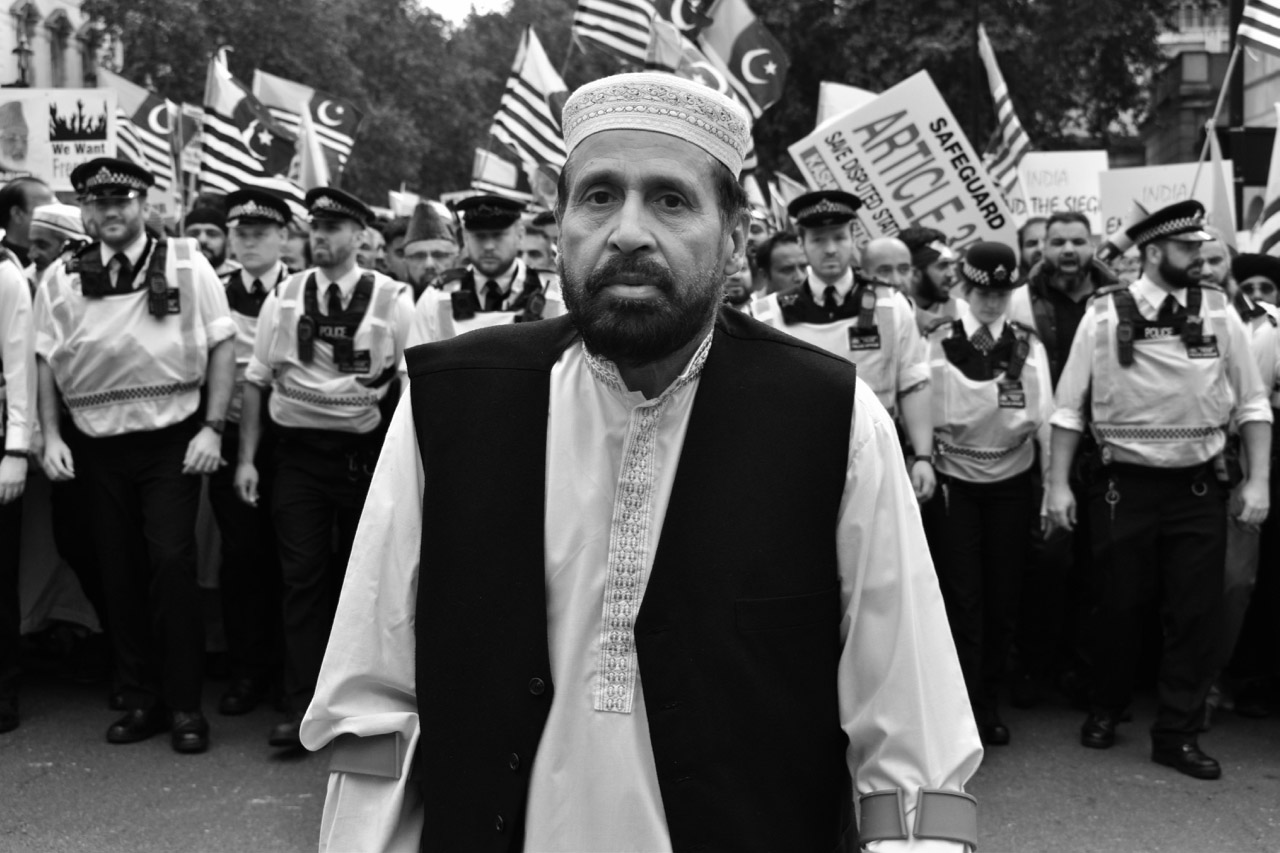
1157 371
328 346
992 400
867 322
130 331
17 414
496 288
249 577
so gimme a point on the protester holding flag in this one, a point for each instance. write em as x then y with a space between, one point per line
134 335
328 345
992 400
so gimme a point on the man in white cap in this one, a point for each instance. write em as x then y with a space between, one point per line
55 227
544 620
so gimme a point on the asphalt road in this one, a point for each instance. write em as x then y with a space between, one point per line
63 789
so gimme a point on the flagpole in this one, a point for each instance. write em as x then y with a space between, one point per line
1212 123
568 54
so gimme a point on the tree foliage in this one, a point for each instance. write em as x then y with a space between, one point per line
429 89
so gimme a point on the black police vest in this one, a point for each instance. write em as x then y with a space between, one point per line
95 281
738 634
1006 359
528 305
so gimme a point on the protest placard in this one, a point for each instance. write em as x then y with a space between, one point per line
905 156
1154 187
1059 181
46 133
837 98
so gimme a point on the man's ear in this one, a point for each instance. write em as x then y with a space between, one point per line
736 242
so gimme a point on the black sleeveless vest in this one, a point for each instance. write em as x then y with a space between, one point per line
738 634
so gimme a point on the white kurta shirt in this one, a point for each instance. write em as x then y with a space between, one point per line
17 360
594 786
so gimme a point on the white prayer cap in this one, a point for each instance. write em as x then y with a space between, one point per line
59 218
663 103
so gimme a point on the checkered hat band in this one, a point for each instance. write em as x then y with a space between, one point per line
1170 229
823 207
108 178
253 210
975 275
328 205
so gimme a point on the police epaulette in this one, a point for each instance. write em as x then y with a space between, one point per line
787 298
1022 327
73 262
1109 289
452 275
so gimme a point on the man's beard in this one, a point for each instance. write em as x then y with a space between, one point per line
634 331
1176 277
931 292
216 259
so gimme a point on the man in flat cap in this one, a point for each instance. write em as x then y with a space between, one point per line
1156 371
497 287
865 321
328 345
257 224
547 619
134 336
429 248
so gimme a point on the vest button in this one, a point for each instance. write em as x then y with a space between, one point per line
514 761
537 686
499 823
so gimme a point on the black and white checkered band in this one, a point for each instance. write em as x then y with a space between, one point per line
253 210
107 178
825 207
1172 228
329 206
982 278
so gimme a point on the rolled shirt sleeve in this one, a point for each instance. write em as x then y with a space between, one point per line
367 684
1253 404
913 352
17 353
259 370
1073 384
903 702
211 302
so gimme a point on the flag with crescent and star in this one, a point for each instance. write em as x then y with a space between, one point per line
243 145
335 119
144 125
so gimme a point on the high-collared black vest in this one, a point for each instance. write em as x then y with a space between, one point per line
738 635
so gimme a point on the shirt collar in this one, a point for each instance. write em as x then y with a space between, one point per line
133 251
1154 294
273 276
971 325
842 285
505 281
346 283
606 372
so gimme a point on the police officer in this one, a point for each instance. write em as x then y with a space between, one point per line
249 578
328 344
991 399
129 331
1156 371
864 321
497 287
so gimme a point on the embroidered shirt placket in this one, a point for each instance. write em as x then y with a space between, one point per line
629 546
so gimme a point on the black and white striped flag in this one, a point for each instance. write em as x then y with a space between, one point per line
620 27
144 126
1260 26
336 120
1012 141
526 121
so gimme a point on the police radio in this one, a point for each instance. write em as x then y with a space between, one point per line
306 338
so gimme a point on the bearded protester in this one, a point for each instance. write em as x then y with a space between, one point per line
614 644
933 273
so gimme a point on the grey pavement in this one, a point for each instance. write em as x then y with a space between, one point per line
63 789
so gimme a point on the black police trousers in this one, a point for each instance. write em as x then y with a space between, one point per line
10 602
143 522
321 480
1159 538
